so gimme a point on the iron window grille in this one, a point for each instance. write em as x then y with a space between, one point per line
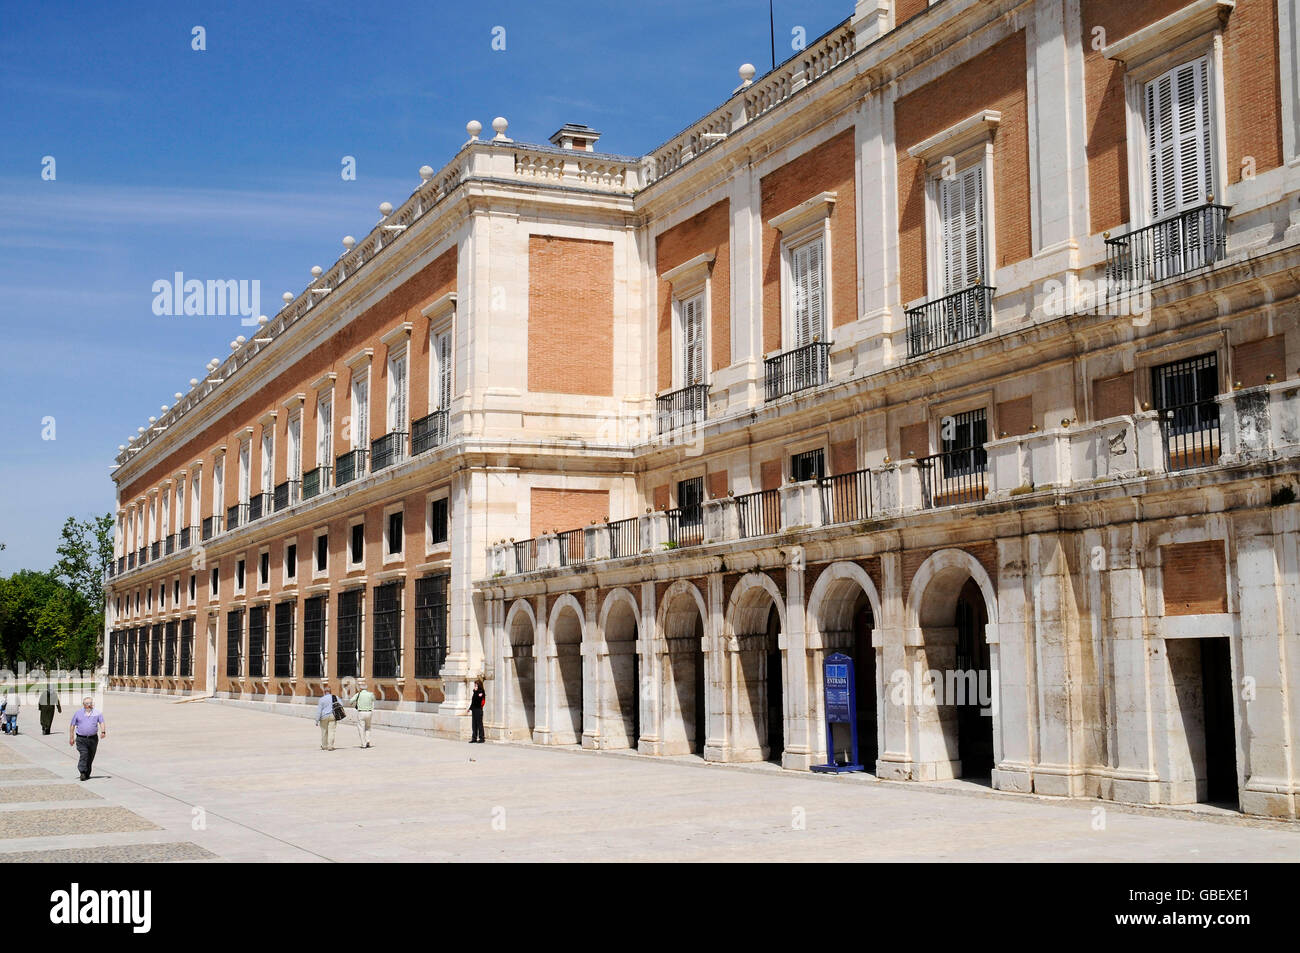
387 450
313 637
430 625
438 521
1186 398
759 513
429 432
286 495
142 651
349 625
846 497
810 465
155 651
169 651
349 467
257 642
624 538
386 623
682 408
234 642
796 370
187 648
284 619
315 482
961 316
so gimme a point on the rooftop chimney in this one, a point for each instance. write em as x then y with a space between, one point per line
574 135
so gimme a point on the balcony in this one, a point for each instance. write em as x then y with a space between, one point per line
236 516
350 466
525 555
796 370
572 547
185 538
155 550
315 482
142 555
1188 241
682 408
121 564
957 476
286 495
846 497
259 505
211 526
130 560
429 432
1190 435
387 450
952 319
685 526
759 514
624 538
170 544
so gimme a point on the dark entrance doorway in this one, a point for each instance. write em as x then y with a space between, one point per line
1220 723
864 673
974 686
699 704
775 699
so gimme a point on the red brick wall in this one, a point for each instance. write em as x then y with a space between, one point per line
1254 361
995 79
1014 417
570 316
844 456
1112 396
1195 577
906 9
769 472
562 510
825 168
709 231
717 483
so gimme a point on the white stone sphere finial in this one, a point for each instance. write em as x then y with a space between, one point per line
121 447
240 339
747 72
426 172
386 209
262 319
153 420
473 127
177 396
348 242
287 297
234 345
139 430
317 271
499 125
163 408
194 382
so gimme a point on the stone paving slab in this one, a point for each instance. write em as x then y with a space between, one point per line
9 775
123 854
31 793
77 820
7 754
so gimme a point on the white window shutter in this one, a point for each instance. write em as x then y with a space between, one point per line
961 211
692 336
816 293
444 370
1179 139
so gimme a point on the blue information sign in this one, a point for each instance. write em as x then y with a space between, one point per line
841 714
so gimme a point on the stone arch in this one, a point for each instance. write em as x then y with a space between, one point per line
746 613
617 670
753 670
948 570
679 669
562 635
669 625
565 677
615 601
519 615
517 678
832 599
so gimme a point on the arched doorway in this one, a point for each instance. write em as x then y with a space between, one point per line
566 682
841 618
620 706
520 683
955 706
755 623
683 712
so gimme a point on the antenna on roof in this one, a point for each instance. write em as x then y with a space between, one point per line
771 24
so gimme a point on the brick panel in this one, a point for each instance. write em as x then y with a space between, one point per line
769 472
709 231
914 440
995 79
906 9
717 484
660 497
1112 396
1194 576
566 509
1015 417
825 168
1253 107
570 316
844 456
1254 361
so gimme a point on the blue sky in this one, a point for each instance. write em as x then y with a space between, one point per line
225 164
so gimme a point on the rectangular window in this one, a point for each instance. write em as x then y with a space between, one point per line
245 466
155 653
239 576
268 460
169 651
291 561
690 500
963 442
193 575
438 521
264 569
176 592
395 533
257 642
322 552
808 292
218 489
442 358
187 648
293 471
397 392
961 224
234 643
284 617
387 630
349 659
358 548
1177 106
360 413
325 432
313 637
142 651
808 466
1185 394
214 588
430 625
691 317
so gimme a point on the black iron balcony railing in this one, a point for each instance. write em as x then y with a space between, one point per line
387 450
286 495
211 526
237 516
170 544
954 318
142 555
315 482
1190 433
759 513
259 505
573 547
155 550
846 497
624 538
685 526
185 538
429 432
130 560
682 408
526 555
957 476
1175 246
796 370
121 564
350 466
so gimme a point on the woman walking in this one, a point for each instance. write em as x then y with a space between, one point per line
476 703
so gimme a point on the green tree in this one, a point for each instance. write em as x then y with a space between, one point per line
23 600
85 548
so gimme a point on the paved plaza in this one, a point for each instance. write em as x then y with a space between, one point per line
203 781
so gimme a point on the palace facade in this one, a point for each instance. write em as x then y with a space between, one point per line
965 343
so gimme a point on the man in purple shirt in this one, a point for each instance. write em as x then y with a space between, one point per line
82 734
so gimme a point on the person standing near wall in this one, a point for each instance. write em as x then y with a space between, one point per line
476 703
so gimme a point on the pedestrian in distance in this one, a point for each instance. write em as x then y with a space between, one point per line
13 702
364 703
476 703
327 717
86 731
47 702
